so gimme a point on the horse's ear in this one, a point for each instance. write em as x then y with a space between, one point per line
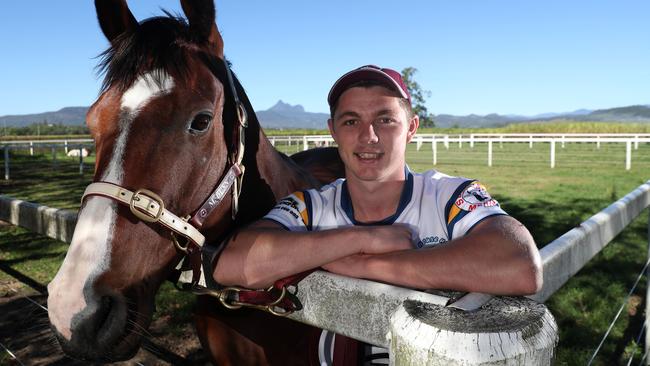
201 16
114 17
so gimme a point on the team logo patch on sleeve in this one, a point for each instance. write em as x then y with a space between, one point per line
474 196
295 206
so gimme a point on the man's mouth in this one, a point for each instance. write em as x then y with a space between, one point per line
368 155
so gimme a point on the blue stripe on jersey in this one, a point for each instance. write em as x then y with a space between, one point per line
457 193
450 204
405 198
309 209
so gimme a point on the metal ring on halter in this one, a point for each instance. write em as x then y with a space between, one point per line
271 309
223 298
178 245
141 214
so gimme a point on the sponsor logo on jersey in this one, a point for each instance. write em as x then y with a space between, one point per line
295 206
474 196
430 241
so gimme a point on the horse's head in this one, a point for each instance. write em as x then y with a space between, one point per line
165 122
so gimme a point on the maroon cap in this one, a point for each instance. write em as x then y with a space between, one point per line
388 77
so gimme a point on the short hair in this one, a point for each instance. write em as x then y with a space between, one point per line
404 103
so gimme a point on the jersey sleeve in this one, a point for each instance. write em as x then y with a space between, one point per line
293 212
469 204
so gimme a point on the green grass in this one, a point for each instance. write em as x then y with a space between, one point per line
548 201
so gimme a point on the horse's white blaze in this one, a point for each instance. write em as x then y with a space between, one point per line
89 253
146 87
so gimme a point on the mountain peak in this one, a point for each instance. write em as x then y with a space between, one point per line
281 106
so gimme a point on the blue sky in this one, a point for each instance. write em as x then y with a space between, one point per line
507 57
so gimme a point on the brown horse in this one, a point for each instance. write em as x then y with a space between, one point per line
167 120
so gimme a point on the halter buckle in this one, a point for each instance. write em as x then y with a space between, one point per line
146 215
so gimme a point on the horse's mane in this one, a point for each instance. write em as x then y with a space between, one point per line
158 45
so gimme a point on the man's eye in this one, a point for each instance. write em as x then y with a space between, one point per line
349 122
386 120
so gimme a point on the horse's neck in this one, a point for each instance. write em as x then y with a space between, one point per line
269 175
282 174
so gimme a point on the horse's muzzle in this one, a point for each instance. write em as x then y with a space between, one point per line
99 333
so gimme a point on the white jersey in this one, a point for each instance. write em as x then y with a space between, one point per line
436 207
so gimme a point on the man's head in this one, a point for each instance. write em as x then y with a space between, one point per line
372 122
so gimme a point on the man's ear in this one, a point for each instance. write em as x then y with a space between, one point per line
330 126
414 123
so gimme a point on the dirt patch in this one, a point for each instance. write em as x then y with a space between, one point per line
24 331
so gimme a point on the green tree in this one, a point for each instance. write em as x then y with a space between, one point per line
418 97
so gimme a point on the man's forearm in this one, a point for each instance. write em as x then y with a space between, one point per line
257 256
498 257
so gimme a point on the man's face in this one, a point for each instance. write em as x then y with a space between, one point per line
372 129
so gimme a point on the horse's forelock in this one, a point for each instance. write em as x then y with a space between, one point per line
159 43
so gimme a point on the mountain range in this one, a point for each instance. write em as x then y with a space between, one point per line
284 115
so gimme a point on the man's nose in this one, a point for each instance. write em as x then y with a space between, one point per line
368 135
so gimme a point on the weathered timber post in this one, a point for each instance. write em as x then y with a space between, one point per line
628 155
552 153
81 160
490 153
434 147
53 155
505 331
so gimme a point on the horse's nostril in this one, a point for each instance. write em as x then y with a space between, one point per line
103 313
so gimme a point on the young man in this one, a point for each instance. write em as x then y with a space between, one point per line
384 222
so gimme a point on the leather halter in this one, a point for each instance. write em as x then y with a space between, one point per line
149 207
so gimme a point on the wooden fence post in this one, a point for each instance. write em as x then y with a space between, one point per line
434 147
81 160
6 153
490 153
628 155
552 153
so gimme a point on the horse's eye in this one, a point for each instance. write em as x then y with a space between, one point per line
201 122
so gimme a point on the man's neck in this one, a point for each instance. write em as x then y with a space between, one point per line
375 201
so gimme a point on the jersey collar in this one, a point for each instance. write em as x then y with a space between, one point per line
405 198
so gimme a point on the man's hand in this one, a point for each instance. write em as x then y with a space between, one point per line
386 239
351 266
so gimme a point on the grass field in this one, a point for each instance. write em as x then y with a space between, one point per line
548 201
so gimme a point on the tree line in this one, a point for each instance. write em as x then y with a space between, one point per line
45 129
